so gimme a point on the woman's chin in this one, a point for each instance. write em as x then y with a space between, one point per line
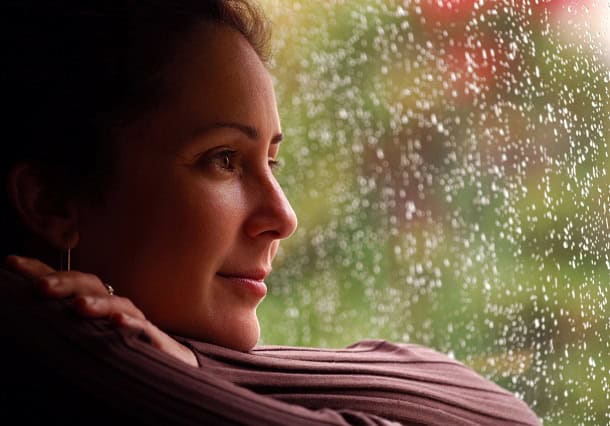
240 335
236 329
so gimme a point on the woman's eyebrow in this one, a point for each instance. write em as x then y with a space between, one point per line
250 131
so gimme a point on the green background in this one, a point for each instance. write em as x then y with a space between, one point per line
448 166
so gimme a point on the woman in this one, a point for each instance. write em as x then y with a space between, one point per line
145 137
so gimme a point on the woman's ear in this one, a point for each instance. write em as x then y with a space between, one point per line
43 210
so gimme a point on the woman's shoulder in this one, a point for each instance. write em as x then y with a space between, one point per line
407 361
404 376
373 350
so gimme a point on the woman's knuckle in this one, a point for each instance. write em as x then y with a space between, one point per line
89 277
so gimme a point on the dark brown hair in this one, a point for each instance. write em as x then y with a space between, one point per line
74 71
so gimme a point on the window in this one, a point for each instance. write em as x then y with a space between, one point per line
448 161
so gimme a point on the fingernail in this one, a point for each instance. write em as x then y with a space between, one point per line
47 283
122 319
85 302
13 259
51 280
89 301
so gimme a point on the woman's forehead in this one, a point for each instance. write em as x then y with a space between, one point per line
218 72
216 77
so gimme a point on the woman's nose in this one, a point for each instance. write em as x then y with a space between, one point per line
271 212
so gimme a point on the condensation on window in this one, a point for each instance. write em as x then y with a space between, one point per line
448 161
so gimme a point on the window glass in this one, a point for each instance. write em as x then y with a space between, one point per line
448 161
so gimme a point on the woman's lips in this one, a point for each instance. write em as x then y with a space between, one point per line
252 283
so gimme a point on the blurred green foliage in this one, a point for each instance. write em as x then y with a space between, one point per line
449 169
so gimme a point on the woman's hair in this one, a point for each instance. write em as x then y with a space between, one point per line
73 72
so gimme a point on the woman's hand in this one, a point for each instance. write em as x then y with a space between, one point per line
93 300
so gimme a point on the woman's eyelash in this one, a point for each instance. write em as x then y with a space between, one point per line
225 160
275 164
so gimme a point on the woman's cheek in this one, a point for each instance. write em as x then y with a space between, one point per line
275 246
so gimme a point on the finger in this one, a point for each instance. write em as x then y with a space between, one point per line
167 344
158 338
29 267
122 320
67 284
106 306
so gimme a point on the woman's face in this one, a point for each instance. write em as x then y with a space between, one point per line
190 228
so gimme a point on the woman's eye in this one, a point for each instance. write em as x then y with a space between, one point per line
224 160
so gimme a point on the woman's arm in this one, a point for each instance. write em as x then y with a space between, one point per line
61 368
91 299
362 384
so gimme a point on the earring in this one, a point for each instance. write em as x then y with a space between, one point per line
64 260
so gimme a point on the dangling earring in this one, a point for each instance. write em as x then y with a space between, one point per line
64 260
65 256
